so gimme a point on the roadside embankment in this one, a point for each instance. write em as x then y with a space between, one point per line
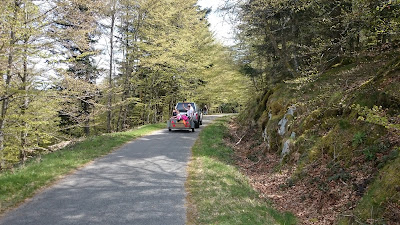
218 193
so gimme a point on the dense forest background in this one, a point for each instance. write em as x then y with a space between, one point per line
73 68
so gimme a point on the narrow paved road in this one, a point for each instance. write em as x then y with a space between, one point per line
141 183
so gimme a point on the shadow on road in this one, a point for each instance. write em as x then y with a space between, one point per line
141 183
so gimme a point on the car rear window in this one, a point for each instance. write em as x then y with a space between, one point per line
180 105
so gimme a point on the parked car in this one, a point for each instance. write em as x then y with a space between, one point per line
198 115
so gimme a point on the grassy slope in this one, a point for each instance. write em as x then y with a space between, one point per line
218 192
381 201
25 181
327 128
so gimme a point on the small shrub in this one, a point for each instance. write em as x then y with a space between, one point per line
371 151
337 172
391 156
289 183
252 157
344 124
369 154
359 138
342 175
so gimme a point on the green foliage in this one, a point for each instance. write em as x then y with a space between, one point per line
337 173
222 82
371 151
218 191
358 138
166 54
377 115
369 154
28 119
283 39
344 124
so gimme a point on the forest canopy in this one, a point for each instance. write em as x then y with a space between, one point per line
73 68
285 39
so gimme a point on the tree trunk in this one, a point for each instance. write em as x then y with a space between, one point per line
8 75
25 104
119 118
5 102
86 122
24 107
282 55
24 89
109 105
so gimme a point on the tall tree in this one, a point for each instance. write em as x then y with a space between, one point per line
286 38
113 5
22 129
11 11
75 29
175 38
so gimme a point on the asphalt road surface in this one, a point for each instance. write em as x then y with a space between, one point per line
141 183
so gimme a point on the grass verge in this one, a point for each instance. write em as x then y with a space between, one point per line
25 181
217 192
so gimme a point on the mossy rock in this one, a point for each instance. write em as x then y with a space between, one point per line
262 105
275 139
333 112
335 98
263 121
329 123
382 91
303 145
323 146
290 117
277 107
313 118
335 144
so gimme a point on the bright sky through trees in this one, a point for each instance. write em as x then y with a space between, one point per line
220 24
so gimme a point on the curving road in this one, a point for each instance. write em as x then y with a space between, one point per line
141 183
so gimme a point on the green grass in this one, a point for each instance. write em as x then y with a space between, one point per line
374 207
217 192
25 181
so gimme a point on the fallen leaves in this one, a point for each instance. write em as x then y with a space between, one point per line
314 196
